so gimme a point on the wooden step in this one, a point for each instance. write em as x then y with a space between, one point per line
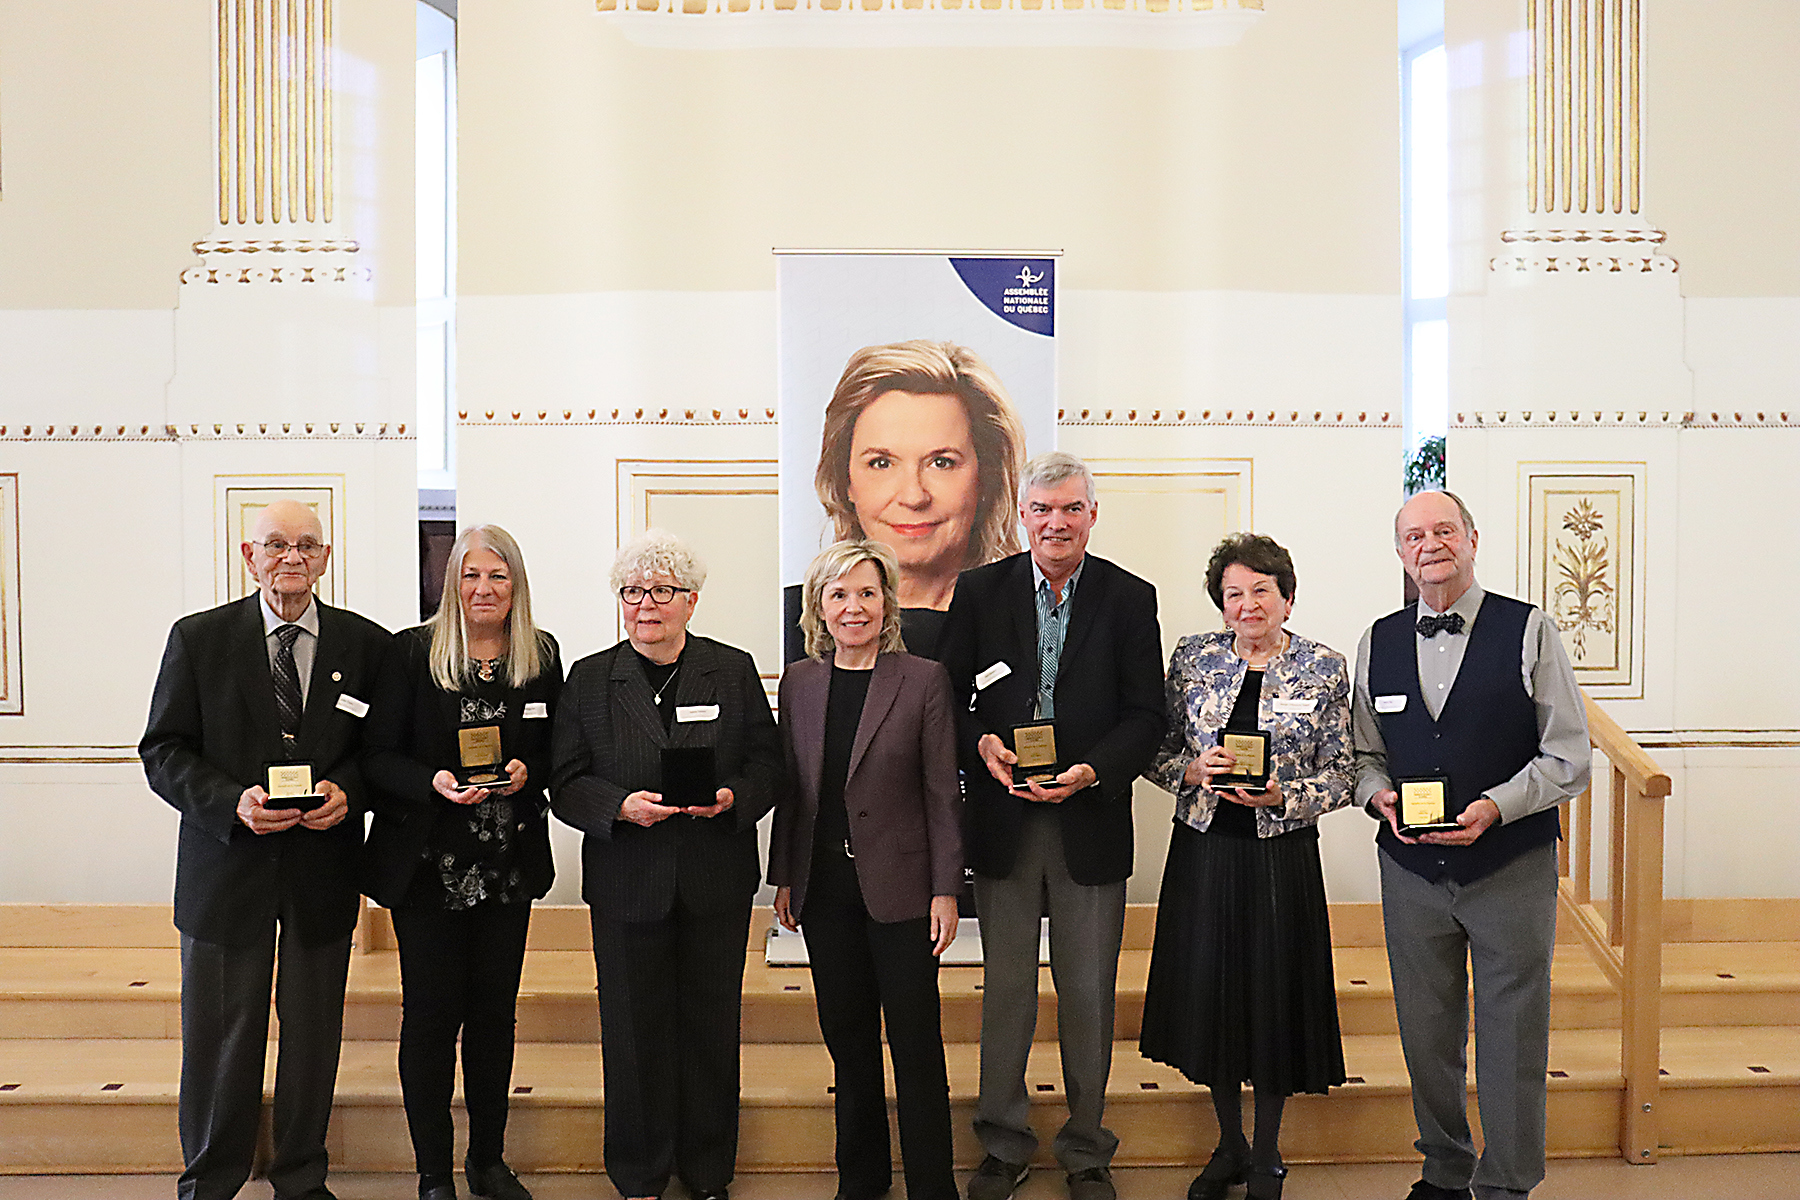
135 992
109 1104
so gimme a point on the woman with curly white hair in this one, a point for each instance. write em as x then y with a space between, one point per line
665 756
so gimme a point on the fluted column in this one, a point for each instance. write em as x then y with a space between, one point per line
276 152
1583 143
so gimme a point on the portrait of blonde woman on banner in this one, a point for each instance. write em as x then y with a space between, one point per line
920 450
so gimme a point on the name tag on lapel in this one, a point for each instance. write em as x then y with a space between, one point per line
536 708
1390 704
992 675
353 706
688 713
1287 705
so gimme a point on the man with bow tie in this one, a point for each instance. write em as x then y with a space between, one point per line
1476 689
253 694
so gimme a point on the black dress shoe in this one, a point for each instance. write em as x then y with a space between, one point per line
315 1193
442 1191
1431 1191
1221 1171
723 1193
495 1181
996 1179
1264 1183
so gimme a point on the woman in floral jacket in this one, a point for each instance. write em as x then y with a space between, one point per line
1241 986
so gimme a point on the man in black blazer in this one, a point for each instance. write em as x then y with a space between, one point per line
277 677
1057 634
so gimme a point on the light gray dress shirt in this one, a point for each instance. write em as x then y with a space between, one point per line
1053 631
1564 759
304 646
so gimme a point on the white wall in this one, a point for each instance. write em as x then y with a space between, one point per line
1230 225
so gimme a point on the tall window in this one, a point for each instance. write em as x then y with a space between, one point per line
1426 274
435 189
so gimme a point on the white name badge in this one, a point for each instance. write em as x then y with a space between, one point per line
993 674
1283 705
1389 704
536 708
353 706
687 713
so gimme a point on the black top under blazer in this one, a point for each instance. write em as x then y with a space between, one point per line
412 736
213 728
900 793
608 744
1109 706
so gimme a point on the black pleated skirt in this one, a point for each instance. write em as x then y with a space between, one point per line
1241 986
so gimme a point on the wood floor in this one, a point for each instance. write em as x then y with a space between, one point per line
1739 1177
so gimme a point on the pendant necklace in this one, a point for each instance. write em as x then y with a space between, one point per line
665 684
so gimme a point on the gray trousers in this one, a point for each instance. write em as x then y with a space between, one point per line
225 1043
1504 924
1086 925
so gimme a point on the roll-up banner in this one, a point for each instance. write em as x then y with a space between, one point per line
913 387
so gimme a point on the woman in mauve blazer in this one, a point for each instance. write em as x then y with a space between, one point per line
866 854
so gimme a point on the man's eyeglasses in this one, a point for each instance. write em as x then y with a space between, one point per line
276 548
662 593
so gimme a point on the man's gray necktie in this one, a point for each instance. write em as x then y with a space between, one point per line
287 683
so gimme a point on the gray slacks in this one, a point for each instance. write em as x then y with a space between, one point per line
1086 925
225 1043
1504 924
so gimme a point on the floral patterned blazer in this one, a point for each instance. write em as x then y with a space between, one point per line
1305 707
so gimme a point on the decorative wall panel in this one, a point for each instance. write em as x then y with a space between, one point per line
1584 566
726 511
1160 518
12 674
237 501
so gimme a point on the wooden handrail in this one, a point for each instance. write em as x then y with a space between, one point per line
1626 942
1608 737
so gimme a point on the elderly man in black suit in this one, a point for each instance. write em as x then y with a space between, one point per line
1054 634
277 677
668 884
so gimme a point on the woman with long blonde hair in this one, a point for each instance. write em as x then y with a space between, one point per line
458 855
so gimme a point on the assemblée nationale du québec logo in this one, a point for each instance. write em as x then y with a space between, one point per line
1027 298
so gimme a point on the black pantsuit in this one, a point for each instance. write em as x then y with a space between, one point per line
459 971
670 902
865 971
670 1007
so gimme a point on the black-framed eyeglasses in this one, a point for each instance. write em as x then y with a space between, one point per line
276 548
662 593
